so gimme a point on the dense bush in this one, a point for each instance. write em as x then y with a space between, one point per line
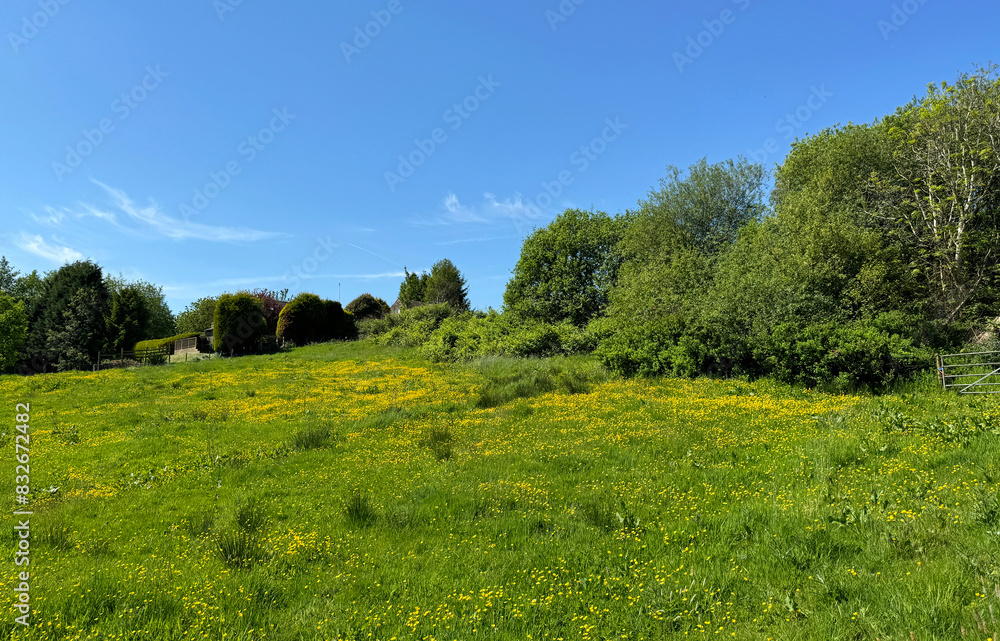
302 320
409 328
337 324
239 324
367 306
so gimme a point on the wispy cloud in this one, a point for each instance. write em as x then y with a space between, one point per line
490 211
462 241
59 254
264 280
52 217
152 219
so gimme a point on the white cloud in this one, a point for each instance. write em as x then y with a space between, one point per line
488 212
52 217
151 218
59 254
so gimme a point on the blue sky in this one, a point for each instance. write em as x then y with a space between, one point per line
214 145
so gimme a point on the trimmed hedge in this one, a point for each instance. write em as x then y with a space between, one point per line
163 342
367 306
301 320
239 323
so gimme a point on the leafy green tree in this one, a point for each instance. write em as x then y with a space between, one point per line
303 320
445 284
567 270
77 339
678 235
943 194
704 209
239 324
159 320
13 330
366 306
197 316
127 319
46 316
8 277
413 289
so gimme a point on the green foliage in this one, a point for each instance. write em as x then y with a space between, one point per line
197 316
366 307
13 331
239 323
303 320
413 289
567 270
445 284
76 342
942 194
50 341
158 320
704 209
337 324
409 328
127 320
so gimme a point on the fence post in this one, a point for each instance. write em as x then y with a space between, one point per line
940 371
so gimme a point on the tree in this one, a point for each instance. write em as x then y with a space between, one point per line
704 209
127 320
46 316
303 320
366 306
567 270
197 316
337 324
13 330
943 195
76 340
8 277
413 289
239 323
159 320
445 284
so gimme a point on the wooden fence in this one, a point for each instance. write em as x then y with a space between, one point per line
158 356
970 373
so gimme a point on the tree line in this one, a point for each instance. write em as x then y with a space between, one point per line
878 245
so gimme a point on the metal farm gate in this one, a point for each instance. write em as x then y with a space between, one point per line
971 373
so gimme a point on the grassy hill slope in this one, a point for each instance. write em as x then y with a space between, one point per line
341 491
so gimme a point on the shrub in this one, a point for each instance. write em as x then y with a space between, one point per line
367 306
337 324
302 320
239 323
411 327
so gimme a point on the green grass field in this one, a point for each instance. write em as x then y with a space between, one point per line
348 492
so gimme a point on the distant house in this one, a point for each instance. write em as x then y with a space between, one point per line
396 307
